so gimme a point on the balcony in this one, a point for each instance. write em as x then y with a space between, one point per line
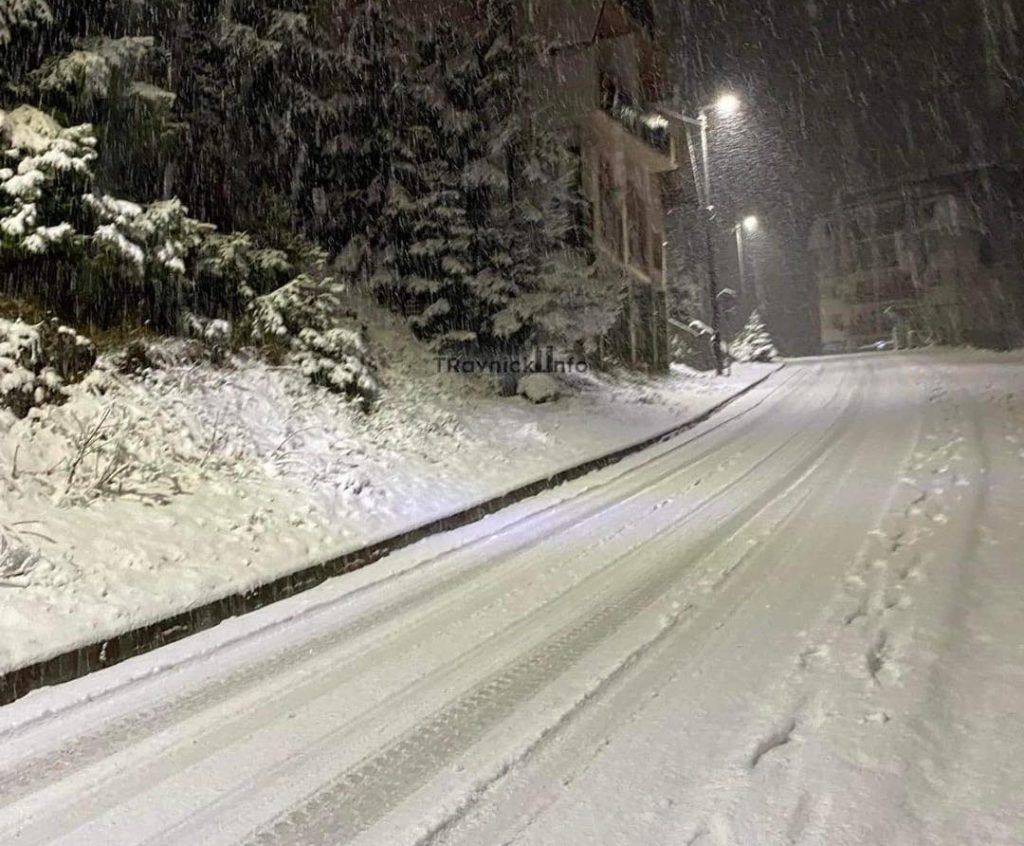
651 128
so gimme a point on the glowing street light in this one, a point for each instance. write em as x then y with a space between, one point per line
750 223
727 104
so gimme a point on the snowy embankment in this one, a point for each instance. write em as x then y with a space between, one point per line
144 496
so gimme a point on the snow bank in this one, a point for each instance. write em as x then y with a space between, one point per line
143 496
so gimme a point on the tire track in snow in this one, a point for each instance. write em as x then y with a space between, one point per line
361 796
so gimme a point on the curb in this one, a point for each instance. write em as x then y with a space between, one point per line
83 660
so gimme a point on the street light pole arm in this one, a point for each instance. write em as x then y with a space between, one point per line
681 117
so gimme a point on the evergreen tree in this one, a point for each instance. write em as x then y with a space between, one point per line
754 343
374 80
520 179
423 262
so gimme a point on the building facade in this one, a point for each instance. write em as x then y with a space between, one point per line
934 261
603 82
600 79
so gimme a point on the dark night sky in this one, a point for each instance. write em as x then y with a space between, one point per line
841 96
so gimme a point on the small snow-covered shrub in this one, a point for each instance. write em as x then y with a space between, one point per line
232 269
304 303
335 359
213 335
306 315
36 362
212 330
17 557
754 343
135 359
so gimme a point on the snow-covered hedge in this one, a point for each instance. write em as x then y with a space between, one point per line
36 362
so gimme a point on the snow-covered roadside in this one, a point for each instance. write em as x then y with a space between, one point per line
150 496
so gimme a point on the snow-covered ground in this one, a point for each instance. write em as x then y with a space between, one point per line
140 498
797 623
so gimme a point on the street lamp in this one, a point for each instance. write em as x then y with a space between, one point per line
725 105
749 224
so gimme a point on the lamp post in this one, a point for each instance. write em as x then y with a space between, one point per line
724 105
748 224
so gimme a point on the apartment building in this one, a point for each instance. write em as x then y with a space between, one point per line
932 261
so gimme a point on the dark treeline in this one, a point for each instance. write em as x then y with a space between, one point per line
175 157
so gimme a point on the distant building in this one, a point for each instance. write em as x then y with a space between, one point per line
933 261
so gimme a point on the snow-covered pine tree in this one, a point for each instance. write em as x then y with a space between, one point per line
754 343
126 259
525 263
226 65
374 78
324 339
556 283
486 86
423 265
305 110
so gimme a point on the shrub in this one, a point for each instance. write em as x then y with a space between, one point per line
307 315
36 362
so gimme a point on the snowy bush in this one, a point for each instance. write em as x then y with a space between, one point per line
304 303
25 14
335 359
151 239
17 557
37 361
43 171
305 315
754 343
232 269
127 259
91 71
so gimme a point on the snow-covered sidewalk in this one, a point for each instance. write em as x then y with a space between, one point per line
142 498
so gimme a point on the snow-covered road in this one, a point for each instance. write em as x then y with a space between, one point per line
798 623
